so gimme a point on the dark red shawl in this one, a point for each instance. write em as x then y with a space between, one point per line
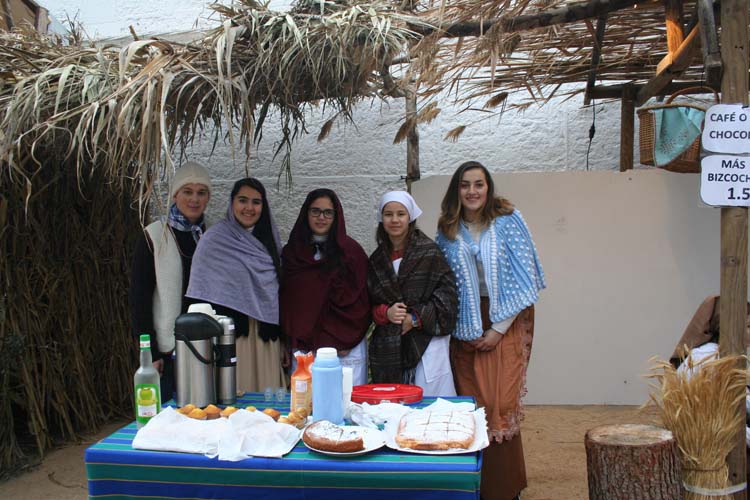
323 304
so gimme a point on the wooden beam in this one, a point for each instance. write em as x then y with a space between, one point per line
601 24
673 14
569 14
733 310
671 66
412 140
709 42
8 15
627 128
616 91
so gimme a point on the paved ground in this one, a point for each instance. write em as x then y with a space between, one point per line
552 436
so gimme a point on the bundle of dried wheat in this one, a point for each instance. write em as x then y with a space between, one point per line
700 406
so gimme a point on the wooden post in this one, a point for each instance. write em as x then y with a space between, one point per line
709 43
627 127
734 87
8 15
412 140
673 14
632 462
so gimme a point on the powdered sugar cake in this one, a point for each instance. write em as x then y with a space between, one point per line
425 430
327 436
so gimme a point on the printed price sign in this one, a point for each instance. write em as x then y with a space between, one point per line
726 129
725 180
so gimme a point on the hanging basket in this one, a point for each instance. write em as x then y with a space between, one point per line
689 161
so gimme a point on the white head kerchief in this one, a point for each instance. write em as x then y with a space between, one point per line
401 197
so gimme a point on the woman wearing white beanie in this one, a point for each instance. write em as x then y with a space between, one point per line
161 267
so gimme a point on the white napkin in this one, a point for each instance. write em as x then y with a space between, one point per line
371 416
255 434
173 431
244 434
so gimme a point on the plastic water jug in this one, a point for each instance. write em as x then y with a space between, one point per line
327 381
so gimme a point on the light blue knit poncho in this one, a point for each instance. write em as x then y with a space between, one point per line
512 272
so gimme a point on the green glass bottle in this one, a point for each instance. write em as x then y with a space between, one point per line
147 386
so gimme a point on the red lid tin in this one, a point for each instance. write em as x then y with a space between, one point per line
381 393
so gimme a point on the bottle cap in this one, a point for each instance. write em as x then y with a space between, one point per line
326 353
202 308
145 341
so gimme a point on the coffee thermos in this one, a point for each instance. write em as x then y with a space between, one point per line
194 335
226 363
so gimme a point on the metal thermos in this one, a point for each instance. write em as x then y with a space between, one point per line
226 363
194 358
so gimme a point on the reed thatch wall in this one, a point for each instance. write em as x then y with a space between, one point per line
66 354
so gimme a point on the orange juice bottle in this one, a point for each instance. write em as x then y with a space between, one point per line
302 382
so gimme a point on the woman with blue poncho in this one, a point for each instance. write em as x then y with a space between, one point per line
491 252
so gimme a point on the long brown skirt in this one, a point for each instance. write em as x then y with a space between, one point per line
258 362
497 379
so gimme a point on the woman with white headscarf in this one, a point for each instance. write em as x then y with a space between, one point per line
413 292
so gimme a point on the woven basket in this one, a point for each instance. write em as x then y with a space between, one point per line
688 161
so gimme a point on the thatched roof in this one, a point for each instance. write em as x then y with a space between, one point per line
140 104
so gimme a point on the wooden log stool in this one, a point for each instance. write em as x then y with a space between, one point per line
632 462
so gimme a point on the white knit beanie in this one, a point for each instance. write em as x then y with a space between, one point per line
190 173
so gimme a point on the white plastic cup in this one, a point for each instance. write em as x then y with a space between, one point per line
348 376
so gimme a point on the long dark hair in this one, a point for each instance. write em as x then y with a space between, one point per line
452 211
332 247
262 229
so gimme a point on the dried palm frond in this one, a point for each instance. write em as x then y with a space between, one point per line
140 104
700 406
404 130
428 113
454 133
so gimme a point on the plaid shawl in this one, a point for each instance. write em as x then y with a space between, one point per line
426 284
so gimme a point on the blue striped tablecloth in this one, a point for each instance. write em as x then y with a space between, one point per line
116 471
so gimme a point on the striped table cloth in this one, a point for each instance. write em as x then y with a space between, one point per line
116 471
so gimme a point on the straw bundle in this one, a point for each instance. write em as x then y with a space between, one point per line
66 352
701 411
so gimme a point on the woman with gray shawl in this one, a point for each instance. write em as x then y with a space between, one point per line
413 292
236 269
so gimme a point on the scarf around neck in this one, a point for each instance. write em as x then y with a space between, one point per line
512 271
232 268
178 221
324 305
426 284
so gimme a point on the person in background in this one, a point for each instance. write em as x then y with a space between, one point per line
236 269
490 250
414 302
161 267
701 341
323 299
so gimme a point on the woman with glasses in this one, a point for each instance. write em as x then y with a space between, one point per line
413 291
236 269
323 298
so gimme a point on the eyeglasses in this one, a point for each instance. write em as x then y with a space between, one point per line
328 213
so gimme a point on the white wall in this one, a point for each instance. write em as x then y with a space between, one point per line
628 256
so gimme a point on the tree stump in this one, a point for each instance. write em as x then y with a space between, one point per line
632 462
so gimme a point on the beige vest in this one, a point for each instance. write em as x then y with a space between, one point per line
167 301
